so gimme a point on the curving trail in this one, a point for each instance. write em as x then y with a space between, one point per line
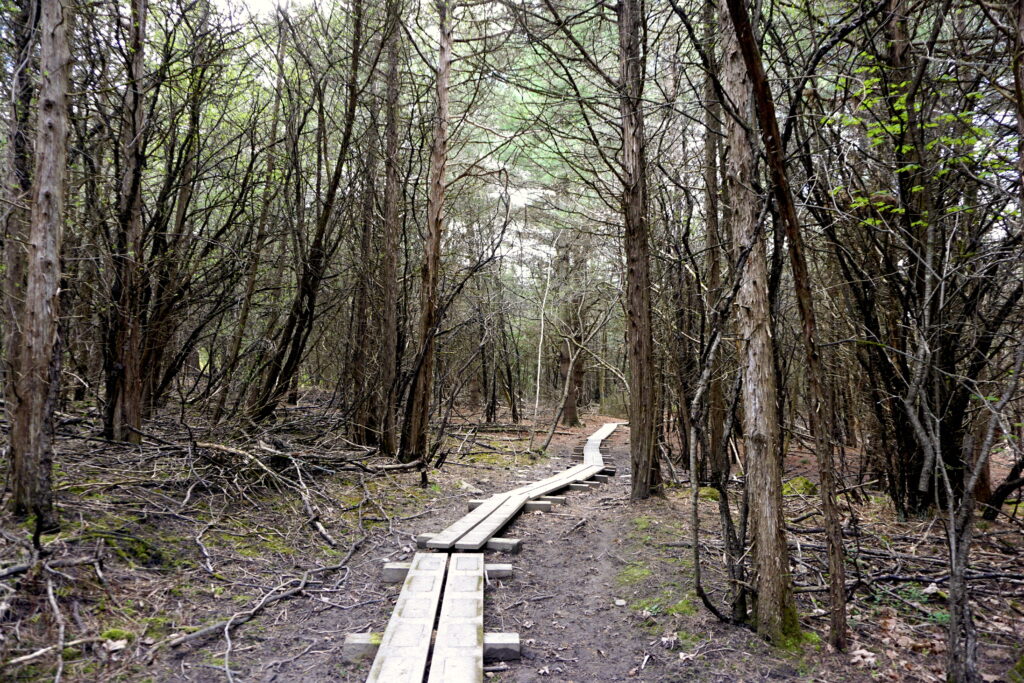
448 588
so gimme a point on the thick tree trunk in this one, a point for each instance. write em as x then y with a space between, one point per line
36 363
819 410
775 608
417 418
642 406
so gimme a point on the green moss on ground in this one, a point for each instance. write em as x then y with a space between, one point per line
708 493
632 574
799 486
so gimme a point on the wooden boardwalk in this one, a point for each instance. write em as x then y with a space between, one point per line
454 583
484 522
406 642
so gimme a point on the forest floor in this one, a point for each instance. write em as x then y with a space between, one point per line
250 558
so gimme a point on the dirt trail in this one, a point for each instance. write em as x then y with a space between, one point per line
602 591
596 597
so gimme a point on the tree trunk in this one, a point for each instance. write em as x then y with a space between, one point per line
17 191
253 264
775 609
389 266
417 418
643 458
36 362
819 410
363 424
123 346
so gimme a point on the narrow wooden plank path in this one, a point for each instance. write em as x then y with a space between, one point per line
406 642
472 531
458 649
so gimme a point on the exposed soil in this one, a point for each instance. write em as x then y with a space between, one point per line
602 590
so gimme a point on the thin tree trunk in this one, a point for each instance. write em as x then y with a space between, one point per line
363 422
417 420
775 609
283 366
718 460
123 346
643 457
253 265
37 362
389 266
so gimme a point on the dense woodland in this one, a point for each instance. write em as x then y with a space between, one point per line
249 252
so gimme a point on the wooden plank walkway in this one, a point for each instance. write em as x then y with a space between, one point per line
459 648
472 531
402 656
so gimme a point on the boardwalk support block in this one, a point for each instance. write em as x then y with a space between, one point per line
505 545
394 572
498 571
501 647
538 506
360 646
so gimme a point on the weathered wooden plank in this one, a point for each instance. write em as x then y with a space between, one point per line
592 449
486 519
459 647
402 656
447 538
478 537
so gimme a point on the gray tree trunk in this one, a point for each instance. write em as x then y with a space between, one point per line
36 363
775 609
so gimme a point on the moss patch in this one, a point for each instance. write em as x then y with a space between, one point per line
708 493
1016 672
799 486
631 574
117 634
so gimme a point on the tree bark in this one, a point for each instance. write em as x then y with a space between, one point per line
123 346
417 420
37 361
643 459
17 192
391 229
775 610
819 411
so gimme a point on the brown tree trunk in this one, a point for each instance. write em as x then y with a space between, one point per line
775 609
417 418
643 458
389 265
36 363
819 411
18 189
123 347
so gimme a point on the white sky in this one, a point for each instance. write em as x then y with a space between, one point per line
259 7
